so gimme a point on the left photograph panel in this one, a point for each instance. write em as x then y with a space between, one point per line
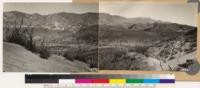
50 37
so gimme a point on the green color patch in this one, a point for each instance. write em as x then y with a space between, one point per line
134 80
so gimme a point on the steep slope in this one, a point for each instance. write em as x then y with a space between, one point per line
149 46
17 59
183 59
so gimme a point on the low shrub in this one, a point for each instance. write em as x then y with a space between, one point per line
87 56
70 55
20 35
44 53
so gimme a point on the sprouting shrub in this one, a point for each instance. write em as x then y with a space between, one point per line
84 55
24 36
112 56
20 35
44 53
90 57
70 55
75 53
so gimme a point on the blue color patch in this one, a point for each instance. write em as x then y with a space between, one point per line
151 81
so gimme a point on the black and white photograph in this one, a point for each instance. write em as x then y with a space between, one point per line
147 36
86 37
50 37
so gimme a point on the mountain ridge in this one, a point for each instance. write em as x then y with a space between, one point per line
73 21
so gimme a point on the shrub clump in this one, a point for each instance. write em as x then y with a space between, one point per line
24 36
70 55
44 53
88 56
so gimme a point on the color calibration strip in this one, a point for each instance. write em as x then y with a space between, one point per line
115 81
101 79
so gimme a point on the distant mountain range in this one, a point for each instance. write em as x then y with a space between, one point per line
68 21
56 21
72 22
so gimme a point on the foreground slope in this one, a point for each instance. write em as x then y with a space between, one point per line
17 59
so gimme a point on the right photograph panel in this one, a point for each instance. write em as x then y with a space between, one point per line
147 36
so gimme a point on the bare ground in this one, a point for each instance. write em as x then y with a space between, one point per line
17 59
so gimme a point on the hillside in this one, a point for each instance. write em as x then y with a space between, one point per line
147 46
18 59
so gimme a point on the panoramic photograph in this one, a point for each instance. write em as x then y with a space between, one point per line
147 36
87 37
50 37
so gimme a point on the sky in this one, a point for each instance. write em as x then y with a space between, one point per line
181 13
48 8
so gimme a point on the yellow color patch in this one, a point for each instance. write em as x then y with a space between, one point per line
117 81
